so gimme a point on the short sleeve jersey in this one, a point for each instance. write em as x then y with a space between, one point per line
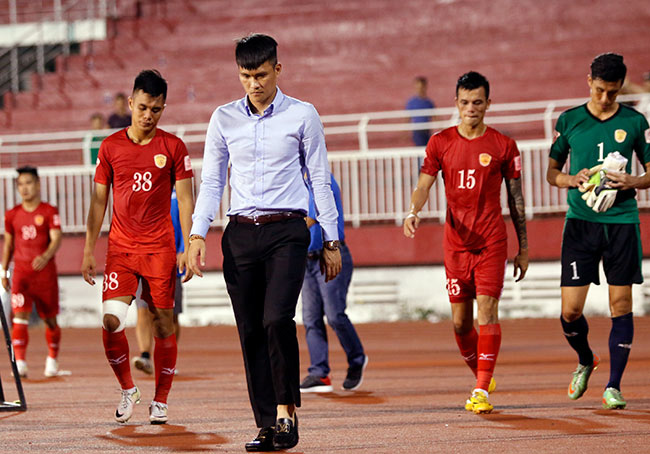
588 140
473 171
142 177
31 232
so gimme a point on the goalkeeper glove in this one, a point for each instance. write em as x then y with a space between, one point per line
604 199
615 162
597 194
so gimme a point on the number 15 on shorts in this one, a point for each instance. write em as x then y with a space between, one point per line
453 289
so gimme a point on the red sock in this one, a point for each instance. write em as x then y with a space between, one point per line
489 341
20 338
164 361
468 343
53 337
116 347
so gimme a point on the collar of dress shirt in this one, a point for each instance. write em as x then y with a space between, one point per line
279 97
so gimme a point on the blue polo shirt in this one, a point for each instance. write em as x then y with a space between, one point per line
316 230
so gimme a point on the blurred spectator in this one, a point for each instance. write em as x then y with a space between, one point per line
95 137
120 118
631 88
420 101
97 121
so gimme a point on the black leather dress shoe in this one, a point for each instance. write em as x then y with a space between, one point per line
263 441
286 433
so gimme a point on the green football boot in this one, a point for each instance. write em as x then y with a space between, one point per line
578 384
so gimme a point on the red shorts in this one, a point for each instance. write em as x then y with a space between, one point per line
471 273
39 287
157 271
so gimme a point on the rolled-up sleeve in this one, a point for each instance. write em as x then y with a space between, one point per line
313 145
213 178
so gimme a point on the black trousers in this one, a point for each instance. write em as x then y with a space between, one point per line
264 266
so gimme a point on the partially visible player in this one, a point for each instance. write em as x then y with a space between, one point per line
589 133
142 163
144 325
32 237
474 160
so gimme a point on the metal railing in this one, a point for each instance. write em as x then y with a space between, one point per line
375 186
360 125
61 13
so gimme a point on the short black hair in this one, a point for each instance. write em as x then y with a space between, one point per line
421 79
608 67
28 169
473 80
254 50
151 82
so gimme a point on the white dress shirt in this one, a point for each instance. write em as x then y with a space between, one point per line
269 155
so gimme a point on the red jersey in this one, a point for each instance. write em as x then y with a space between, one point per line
473 171
31 232
142 177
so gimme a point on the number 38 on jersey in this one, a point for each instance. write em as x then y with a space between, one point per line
142 182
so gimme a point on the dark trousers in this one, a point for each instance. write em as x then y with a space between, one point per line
329 299
263 267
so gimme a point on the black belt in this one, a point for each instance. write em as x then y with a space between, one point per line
266 218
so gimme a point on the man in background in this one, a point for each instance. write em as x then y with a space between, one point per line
32 237
420 101
120 118
329 299
144 324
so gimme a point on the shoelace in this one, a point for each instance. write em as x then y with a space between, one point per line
580 370
126 398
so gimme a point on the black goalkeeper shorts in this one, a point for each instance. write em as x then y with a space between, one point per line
584 243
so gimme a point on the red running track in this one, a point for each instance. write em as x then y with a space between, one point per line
411 400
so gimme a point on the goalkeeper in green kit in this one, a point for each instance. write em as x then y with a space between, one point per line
603 219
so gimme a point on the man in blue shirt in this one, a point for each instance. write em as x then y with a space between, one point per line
420 101
270 140
330 299
144 324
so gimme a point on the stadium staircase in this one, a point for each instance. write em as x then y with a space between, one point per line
343 56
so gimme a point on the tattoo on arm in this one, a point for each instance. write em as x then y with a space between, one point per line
517 210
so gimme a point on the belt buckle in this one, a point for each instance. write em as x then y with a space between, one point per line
255 220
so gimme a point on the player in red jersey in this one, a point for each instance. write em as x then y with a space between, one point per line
474 159
142 163
32 237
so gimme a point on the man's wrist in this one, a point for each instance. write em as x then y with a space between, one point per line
331 245
194 237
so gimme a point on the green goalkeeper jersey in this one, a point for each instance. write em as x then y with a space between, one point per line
589 140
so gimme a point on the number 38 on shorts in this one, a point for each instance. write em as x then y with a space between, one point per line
110 282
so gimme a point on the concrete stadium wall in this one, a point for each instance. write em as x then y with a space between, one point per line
376 294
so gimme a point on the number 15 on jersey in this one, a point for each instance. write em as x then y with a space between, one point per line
467 180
